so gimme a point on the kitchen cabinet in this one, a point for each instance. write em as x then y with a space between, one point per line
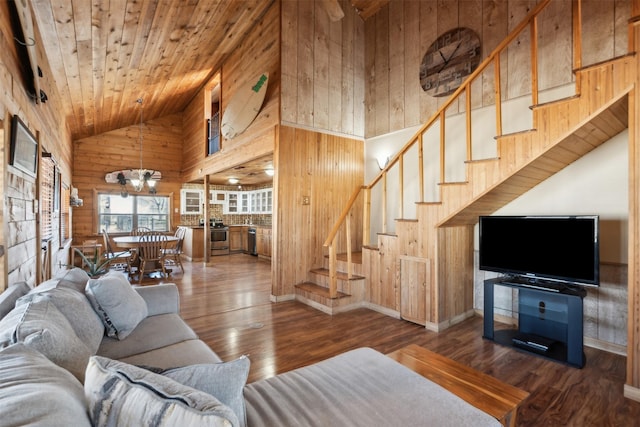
191 201
238 202
235 239
217 197
263 242
244 239
262 201
232 206
238 238
193 244
245 202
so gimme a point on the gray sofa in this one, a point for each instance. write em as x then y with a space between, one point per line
79 351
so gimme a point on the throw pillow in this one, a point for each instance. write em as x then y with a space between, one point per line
75 278
122 394
10 295
224 381
36 392
76 308
119 306
41 326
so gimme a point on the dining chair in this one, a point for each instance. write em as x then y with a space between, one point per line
88 249
116 259
151 250
140 231
173 253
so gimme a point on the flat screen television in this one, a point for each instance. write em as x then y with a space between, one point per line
542 248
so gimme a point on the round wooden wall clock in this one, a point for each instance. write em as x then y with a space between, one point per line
449 60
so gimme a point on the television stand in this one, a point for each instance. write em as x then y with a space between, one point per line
549 319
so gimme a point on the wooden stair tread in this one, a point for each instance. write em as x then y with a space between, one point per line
341 275
356 257
319 290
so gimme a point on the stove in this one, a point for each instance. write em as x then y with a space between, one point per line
219 240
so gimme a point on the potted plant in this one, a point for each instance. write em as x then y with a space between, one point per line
96 265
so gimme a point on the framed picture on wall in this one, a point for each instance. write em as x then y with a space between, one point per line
24 148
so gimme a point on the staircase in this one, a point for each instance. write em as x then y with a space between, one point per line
424 272
350 290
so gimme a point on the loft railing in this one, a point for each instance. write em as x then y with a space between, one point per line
438 118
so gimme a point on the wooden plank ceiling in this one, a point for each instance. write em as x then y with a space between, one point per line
105 54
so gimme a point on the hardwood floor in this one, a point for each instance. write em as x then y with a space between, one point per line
227 304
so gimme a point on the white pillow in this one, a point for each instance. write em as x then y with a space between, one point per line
224 381
123 394
119 306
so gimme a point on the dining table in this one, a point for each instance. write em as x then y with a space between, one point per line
132 242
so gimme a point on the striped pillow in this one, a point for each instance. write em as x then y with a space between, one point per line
123 394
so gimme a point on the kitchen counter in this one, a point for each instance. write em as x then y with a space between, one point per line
193 243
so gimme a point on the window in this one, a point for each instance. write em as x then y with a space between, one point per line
64 213
47 195
118 214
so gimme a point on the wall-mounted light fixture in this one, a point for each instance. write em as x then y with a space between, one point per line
74 200
383 161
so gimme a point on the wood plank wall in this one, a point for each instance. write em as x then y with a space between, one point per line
120 149
397 37
21 237
322 68
327 169
259 52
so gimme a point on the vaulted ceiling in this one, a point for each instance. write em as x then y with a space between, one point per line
104 55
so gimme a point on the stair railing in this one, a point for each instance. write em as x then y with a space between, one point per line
439 117
331 243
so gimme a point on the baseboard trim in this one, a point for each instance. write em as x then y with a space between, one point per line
632 393
280 298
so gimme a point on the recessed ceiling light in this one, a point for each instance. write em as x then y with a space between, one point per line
269 171
233 180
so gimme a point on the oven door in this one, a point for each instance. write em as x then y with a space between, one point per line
218 235
220 241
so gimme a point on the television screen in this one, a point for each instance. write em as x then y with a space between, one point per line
558 248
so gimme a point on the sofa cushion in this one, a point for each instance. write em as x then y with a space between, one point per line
122 394
41 326
354 389
36 392
10 295
151 333
185 353
161 299
118 305
224 381
76 308
75 278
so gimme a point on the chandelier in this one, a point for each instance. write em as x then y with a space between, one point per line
136 177
141 176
